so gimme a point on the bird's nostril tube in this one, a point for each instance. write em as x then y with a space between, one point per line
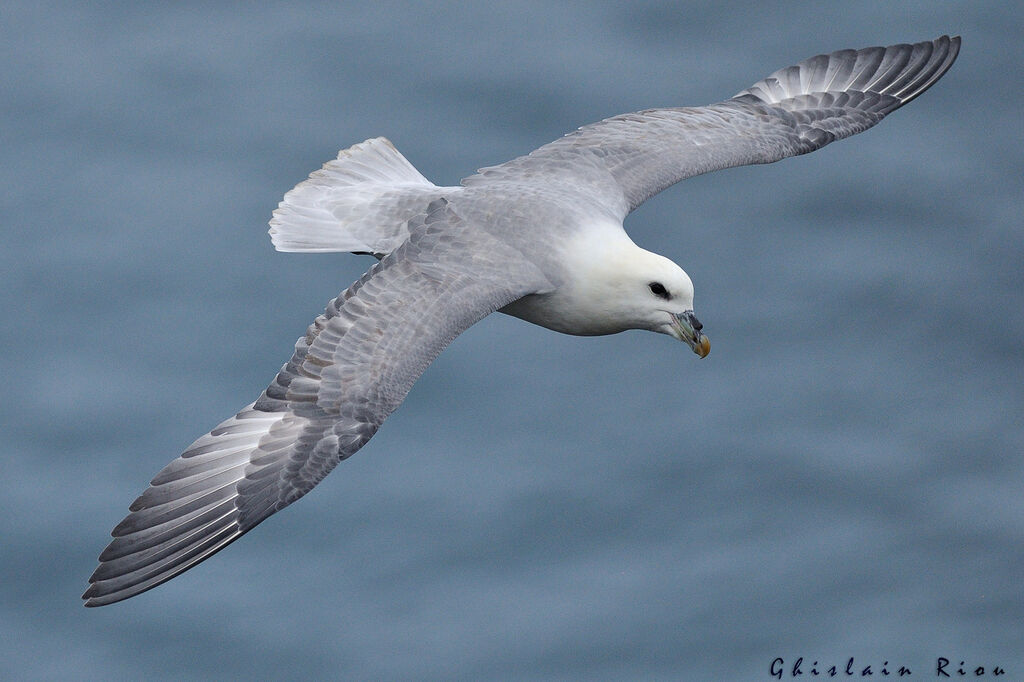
694 322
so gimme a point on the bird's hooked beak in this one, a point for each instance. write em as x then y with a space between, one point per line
686 327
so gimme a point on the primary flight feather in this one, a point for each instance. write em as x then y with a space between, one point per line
539 237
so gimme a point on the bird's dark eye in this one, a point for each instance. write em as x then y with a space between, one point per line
658 289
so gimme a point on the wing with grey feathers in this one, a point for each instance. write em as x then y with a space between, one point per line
353 367
624 160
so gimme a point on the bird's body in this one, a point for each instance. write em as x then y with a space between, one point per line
539 237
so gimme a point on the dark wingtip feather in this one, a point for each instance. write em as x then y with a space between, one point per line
903 71
950 47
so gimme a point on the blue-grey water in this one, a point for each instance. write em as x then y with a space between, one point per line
842 477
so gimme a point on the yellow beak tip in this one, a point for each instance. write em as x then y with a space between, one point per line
703 346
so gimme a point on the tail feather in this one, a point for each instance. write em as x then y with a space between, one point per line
359 202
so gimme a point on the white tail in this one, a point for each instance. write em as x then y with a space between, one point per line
358 202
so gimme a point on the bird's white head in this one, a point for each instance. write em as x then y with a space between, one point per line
618 286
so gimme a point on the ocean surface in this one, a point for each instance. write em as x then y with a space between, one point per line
842 477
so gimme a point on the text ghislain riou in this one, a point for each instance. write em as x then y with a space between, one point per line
943 668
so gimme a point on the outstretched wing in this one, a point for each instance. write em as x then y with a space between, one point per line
353 367
624 160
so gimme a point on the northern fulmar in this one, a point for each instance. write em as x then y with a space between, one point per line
539 237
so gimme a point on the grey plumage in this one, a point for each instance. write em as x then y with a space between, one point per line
353 367
450 256
628 158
